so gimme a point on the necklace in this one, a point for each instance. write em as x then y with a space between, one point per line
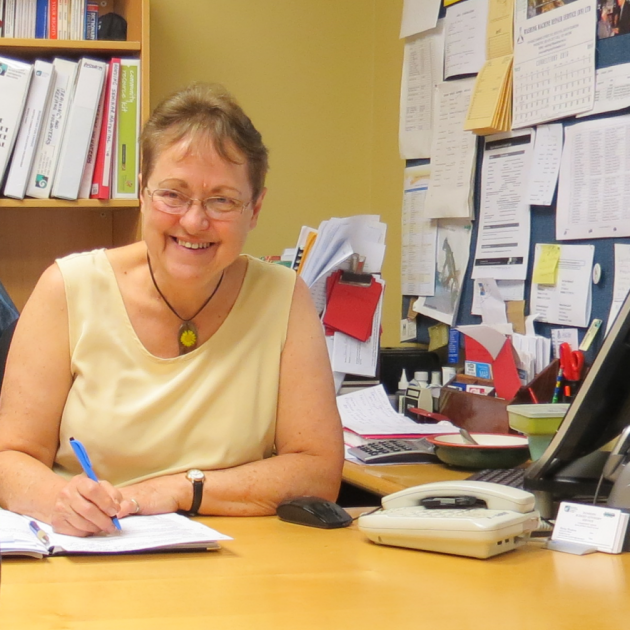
188 335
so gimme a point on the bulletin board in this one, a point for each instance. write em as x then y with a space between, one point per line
609 52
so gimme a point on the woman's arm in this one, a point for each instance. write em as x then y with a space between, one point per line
36 383
309 438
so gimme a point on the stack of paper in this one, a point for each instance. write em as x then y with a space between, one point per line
368 415
491 104
337 239
490 108
139 533
322 252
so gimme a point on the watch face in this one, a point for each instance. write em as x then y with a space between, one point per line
195 475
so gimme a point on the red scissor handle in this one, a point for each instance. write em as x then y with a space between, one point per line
571 362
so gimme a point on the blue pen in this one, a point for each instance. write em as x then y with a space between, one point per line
40 533
86 464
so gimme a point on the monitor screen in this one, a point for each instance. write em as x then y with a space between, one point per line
571 466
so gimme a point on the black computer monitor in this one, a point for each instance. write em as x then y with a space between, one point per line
571 466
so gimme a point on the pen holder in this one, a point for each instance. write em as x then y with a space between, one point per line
487 414
569 390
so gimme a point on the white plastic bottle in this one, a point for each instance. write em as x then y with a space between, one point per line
422 378
401 392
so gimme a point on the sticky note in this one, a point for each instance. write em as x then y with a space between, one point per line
546 270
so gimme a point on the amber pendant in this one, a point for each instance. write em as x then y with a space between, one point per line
188 337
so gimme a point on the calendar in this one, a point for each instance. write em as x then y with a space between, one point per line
554 63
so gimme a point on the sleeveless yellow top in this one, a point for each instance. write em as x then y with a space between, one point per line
141 416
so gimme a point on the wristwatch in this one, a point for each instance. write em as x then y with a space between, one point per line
196 477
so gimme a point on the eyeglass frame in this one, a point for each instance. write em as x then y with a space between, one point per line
202 202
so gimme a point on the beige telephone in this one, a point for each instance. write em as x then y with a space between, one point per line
466 518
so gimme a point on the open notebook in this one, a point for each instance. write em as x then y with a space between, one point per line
163 532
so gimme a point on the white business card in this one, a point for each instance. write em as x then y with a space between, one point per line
601 527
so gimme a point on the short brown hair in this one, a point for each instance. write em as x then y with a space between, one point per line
205 111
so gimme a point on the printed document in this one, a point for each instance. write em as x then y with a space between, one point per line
545 164
139 533
621 284
422 71
568 302
490 108
351 356
338 238
418 235
418 16
453 247
510 291
612 89
368 412
453 153
593 191
500 32
491 302
554 61
503 240
465 38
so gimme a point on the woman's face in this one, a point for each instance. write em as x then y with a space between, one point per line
193 246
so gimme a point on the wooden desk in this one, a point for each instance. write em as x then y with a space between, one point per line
279 576
385 479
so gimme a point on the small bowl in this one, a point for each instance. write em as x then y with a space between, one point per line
493 451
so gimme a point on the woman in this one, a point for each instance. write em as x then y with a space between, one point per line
174 358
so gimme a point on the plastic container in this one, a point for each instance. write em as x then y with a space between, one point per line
403 383
538 422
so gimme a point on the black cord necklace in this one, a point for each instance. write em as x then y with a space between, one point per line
188 334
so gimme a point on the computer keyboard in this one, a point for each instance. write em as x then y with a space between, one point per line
395 451
512 477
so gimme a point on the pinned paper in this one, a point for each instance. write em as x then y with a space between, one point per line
546 271
492 304
516 315
529 324
488 339
438 336
563 335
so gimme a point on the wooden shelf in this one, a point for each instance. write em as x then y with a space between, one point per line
54 46
69 205
34 232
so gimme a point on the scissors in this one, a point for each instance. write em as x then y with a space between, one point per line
572 362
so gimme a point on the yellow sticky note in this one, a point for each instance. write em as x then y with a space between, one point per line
546 270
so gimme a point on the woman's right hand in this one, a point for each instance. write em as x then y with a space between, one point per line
85 507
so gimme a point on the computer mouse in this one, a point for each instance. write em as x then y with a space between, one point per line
314 512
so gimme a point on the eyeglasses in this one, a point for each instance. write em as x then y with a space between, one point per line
175 202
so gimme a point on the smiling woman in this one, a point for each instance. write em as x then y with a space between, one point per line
141 351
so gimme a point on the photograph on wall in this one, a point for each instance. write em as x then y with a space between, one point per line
613 18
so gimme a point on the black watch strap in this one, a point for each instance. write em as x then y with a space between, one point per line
196 477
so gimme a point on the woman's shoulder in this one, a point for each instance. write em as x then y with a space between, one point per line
128 257
258 267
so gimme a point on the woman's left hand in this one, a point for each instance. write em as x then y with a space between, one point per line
154 496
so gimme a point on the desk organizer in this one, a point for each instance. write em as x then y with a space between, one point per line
487 414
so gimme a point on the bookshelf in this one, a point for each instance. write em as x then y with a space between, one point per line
33 232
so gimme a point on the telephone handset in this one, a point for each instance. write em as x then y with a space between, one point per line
496 496
468 518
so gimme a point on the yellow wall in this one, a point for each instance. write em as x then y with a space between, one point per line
320 79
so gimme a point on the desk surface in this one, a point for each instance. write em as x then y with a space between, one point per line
276 576
385 479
